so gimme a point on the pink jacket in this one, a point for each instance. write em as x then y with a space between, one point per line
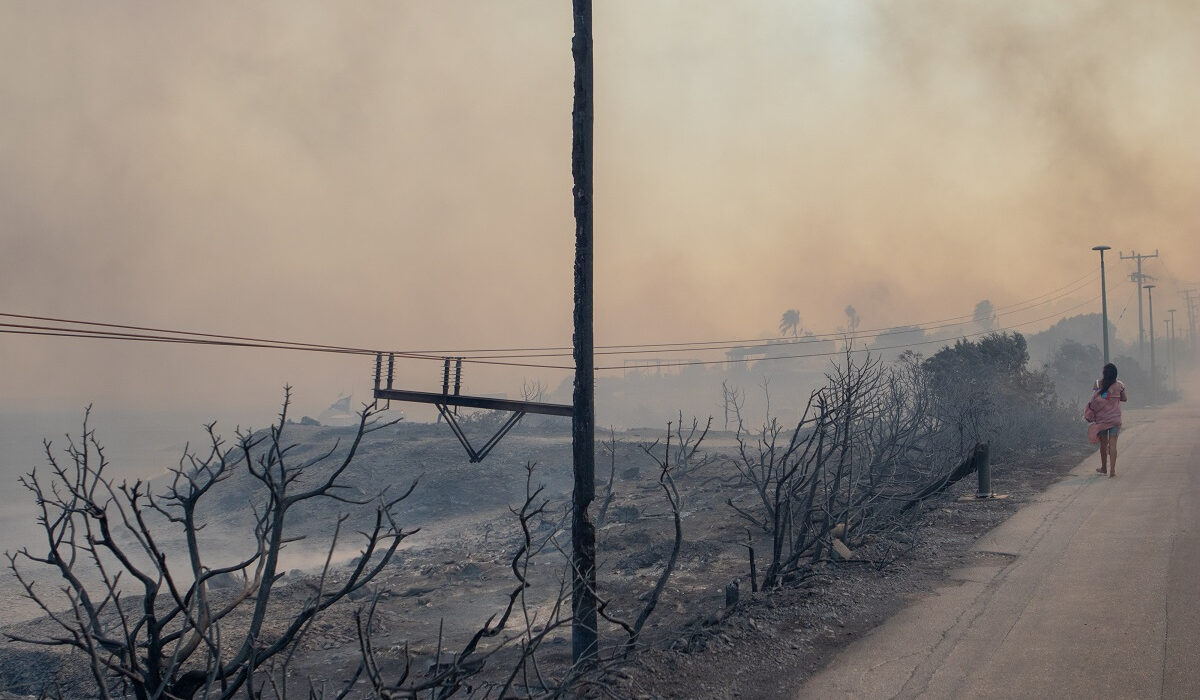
1104 410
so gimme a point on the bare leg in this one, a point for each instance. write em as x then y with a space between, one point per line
1112 456
1103 453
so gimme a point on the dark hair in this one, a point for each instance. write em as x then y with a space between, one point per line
1109 377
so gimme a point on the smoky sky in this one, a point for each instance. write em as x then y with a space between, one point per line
397 175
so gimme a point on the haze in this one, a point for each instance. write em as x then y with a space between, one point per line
397 175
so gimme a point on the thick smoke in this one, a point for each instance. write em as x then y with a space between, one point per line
397 174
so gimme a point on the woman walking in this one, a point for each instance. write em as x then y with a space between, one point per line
1103 412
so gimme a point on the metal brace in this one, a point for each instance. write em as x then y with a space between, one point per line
478 455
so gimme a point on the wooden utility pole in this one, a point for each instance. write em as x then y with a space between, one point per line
1171 350
1191 312
584 638
1140 280
1153 367
1103 300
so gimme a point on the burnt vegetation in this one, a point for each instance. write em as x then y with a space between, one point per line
690 521
153 620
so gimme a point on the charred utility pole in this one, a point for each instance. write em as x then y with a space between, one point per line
584 637
1140 280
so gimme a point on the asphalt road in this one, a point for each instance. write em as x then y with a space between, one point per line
1092 591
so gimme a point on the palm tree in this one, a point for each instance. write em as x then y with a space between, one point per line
985 315
852 319
790 322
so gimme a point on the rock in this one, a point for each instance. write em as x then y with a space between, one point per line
418 591
305 420
626 514
225 580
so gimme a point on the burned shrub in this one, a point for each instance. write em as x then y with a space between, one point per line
865 442
153 618
984 391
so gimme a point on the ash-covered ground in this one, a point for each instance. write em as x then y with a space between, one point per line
455 573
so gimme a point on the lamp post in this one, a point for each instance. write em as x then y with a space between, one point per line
1103 298
1153 369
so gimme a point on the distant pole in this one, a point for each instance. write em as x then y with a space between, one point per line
1167 362
1103 298
1191 311
1153 369
1171 355
1139 279
584 637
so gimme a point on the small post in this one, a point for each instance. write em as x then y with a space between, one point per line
378 364
391 368
446 376
753 568
983 470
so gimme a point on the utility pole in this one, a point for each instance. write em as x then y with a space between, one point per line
1191 313
1171 355
584 637
1153 369
1103 299
1139 279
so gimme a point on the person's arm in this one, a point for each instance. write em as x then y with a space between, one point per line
1124 396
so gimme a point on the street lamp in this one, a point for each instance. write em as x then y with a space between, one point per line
1103 298
1153 369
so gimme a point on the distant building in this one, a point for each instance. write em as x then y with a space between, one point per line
339 413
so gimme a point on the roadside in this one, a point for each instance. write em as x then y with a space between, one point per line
1098 598
772 643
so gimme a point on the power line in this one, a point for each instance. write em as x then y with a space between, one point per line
689 363
1009 309
49 331
133 333
23 329
774 342
193 334
1128 298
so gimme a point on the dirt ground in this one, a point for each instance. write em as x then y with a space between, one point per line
449 578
